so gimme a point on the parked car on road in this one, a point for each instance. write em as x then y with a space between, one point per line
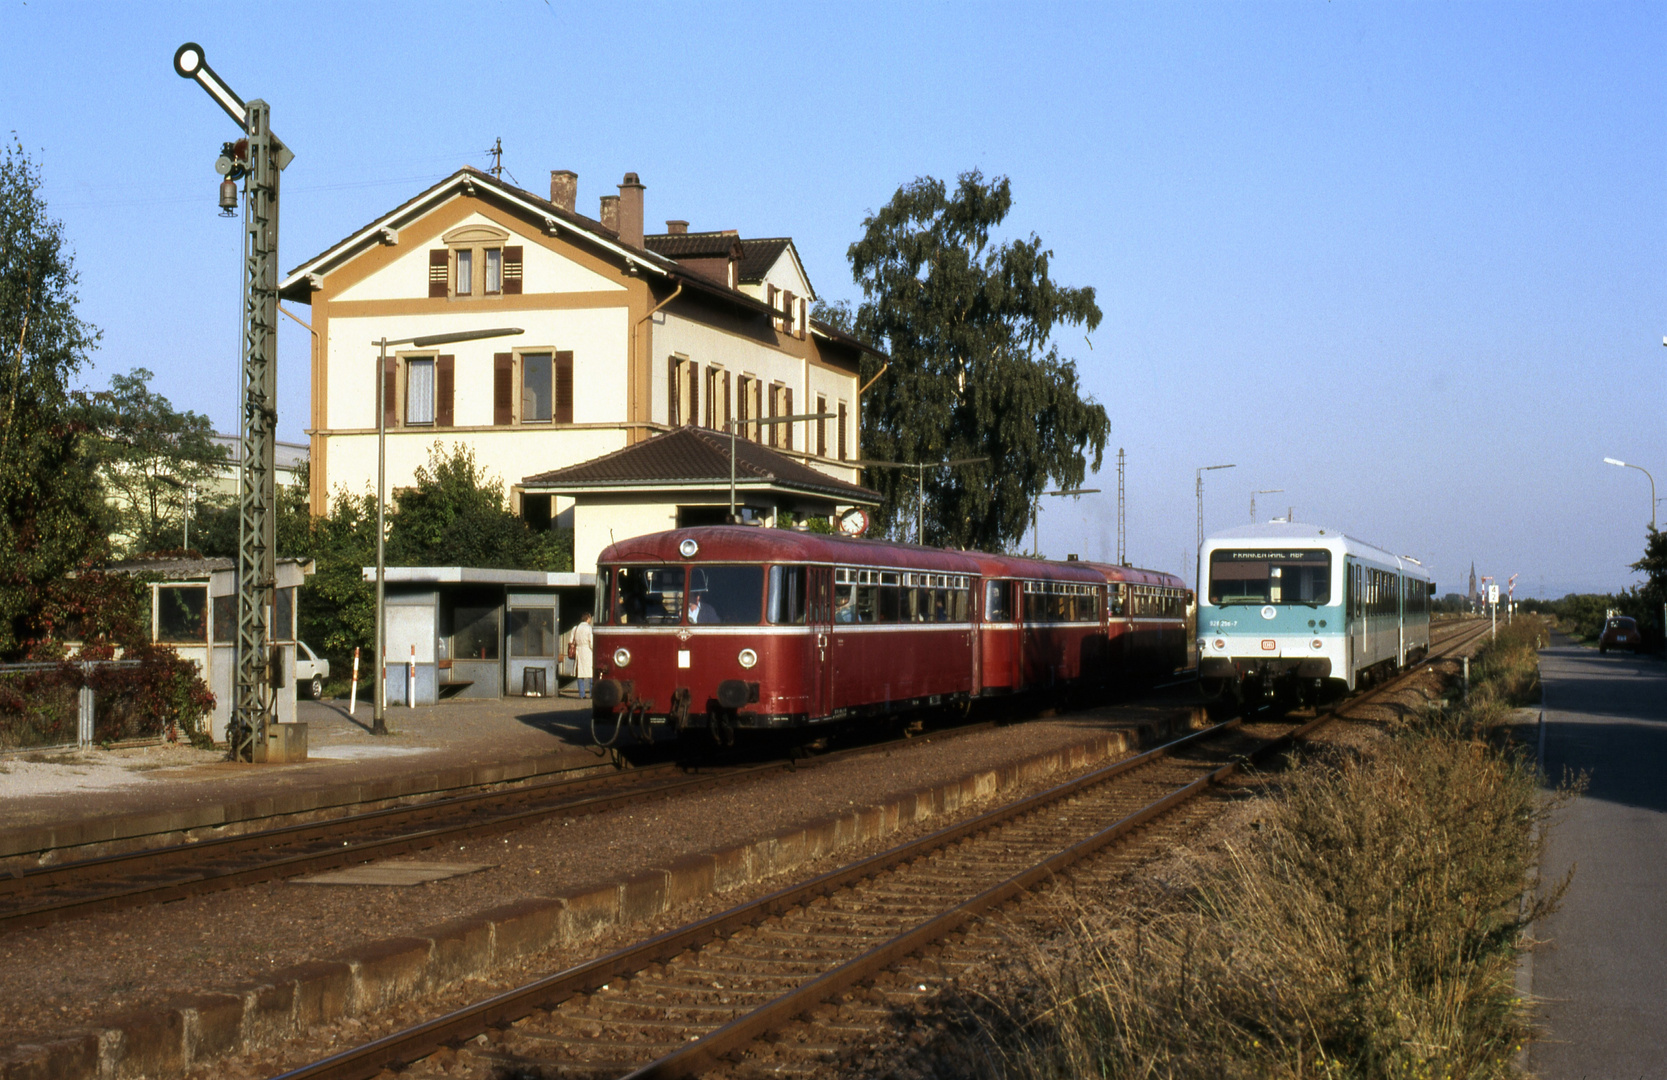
1620 632
310 671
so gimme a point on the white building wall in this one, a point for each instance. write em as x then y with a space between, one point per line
508 454
596 525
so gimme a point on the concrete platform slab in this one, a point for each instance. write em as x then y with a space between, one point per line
84 804
393 873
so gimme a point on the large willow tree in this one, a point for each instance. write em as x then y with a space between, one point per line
975 369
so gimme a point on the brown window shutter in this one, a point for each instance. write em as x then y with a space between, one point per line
564 388
842 431
439 272
804 318
821 428
674 413
503 392
390 392
512 270
694 392
792 310
728 414
445 381
788 412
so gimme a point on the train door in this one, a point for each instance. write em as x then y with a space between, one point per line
819 642
1351 616
1400 620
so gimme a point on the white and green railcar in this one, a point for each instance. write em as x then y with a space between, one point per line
1289 607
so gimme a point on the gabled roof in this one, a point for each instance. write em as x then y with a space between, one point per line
465 180
295 287
694 455
757 256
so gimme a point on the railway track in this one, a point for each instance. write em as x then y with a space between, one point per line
690 1000
45 895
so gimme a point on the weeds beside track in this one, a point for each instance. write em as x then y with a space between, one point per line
1369 927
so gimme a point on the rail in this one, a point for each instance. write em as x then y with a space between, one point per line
698 1048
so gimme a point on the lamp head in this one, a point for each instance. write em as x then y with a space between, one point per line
1612 461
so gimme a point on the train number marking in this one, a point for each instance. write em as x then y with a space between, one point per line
682 658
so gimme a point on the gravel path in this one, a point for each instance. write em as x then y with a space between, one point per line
79 972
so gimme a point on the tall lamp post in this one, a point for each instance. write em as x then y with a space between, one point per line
1198 485
379 723
1035 543
1646 472
920 482
1253 494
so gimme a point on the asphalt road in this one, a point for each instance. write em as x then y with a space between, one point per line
1602 977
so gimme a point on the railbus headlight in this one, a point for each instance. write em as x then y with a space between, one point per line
622 657
1221 643
688 548
1318 644
747 658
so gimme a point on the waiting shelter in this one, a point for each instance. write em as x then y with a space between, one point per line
462 631
193 607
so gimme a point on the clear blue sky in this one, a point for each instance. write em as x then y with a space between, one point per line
1404 261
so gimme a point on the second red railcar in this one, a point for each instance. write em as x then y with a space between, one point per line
739 627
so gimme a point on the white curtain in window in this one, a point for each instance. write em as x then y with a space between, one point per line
494 270
465 276
419 391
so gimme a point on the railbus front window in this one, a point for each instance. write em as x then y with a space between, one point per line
1270 577
726 595
649 596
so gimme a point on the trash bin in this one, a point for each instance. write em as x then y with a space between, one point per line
532 682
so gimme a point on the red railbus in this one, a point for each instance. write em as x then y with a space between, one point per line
739 627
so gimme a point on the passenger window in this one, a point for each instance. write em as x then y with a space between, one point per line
997 606
787 595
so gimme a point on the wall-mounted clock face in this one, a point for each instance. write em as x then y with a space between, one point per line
854 523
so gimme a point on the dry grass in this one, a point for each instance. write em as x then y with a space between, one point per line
1368 928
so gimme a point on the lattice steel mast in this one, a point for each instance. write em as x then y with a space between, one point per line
1122 533
257 158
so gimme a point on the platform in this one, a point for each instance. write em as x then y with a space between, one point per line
96 802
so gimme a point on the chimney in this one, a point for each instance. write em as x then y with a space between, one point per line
610 212
630 210
677 228
564 188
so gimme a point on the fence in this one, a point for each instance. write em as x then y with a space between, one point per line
61 706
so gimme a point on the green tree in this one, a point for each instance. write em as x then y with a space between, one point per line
51 511
151 457
454 515
975 371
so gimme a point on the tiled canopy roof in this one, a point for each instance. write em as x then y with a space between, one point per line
698 455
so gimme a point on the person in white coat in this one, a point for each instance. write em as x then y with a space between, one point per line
584 654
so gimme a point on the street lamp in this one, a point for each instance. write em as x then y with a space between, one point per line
920 482
1198 484
1253 494
1646 472
1035 544
762 422
379 724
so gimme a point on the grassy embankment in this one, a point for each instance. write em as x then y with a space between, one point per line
1366 926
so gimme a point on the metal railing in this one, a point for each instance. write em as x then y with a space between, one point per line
14 726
